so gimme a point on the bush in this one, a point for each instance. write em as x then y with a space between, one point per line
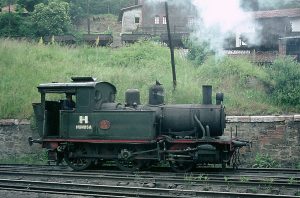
285 80
198 51
264 161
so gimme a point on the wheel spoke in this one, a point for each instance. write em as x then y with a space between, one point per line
127 162
78 163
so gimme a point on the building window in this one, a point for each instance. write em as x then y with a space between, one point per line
190 21
156 20
136 19
164 20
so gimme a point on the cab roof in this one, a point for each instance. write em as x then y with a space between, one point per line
56 87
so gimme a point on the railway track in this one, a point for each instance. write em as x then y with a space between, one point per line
157 169
115 191
242 183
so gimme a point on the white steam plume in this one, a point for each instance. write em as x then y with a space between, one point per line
218 19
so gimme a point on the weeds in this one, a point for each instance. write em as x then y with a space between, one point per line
269 184
264 161
38 159
291 180
244 179
225 178
268 180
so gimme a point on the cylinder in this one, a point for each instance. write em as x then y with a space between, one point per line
207 94
132 97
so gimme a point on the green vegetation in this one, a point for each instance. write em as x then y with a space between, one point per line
18 26
198 50
285 79
292 180
244 179
264 161
38 159
35 18
24 65
52 18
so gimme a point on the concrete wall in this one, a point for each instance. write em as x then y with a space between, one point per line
278 136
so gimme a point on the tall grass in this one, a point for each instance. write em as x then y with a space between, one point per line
24 65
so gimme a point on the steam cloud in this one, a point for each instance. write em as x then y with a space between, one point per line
217 20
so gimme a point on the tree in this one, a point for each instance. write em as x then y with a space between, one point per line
9 24
13 25
78 10
29 4
52 18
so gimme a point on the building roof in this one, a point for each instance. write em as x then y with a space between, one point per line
131 7
294 12
289 37
126 9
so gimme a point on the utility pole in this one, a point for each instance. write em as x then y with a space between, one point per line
88 15
9 17
108 8
171 47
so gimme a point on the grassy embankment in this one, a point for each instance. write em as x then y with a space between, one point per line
24 65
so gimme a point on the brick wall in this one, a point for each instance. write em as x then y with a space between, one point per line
278 136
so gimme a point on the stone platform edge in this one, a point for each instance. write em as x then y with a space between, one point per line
12 122
229 119
249 119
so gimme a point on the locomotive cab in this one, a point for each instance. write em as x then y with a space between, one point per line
53 118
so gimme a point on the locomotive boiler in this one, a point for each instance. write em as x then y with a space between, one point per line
132 135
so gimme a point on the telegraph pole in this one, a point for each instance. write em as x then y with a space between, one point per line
9 17
88 15
171 47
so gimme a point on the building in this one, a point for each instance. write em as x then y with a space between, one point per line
146 19
279 34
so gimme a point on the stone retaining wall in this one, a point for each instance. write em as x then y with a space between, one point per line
278 136
14 139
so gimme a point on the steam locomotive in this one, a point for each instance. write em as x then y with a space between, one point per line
132 135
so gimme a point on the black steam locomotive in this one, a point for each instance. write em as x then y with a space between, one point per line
132 135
